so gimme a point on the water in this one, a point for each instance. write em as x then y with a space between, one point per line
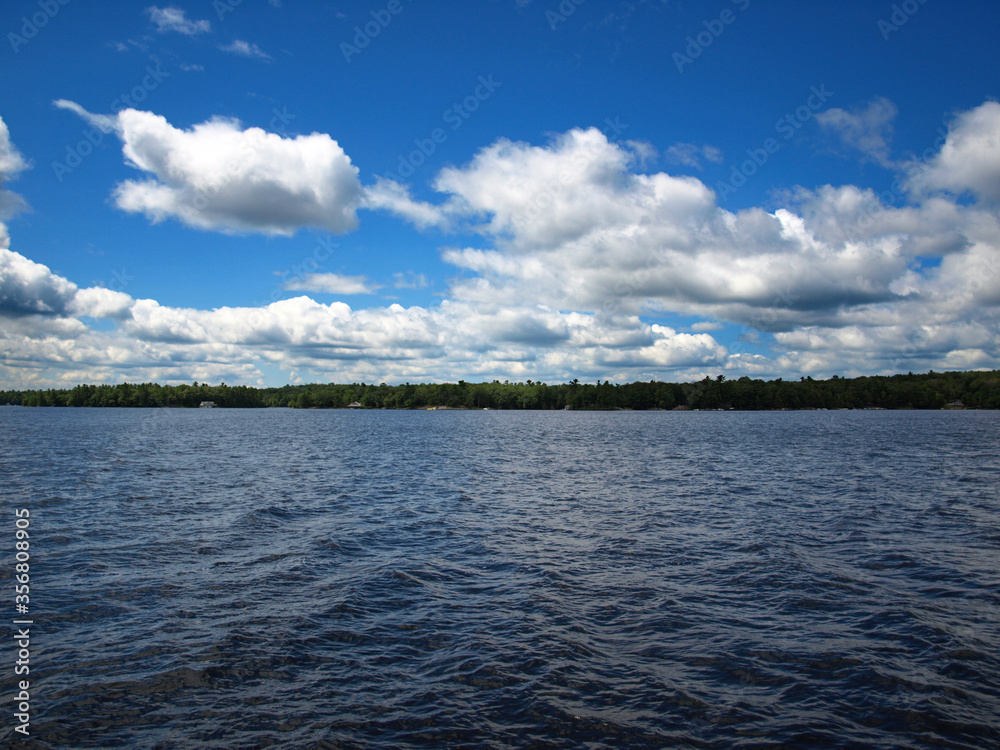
355 579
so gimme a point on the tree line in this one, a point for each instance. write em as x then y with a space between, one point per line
932 390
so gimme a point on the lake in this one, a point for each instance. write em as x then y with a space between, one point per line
389 579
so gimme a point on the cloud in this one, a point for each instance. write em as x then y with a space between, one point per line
535 197
706 325
219 176
29 288
451 340
392 196
867 130
410 280
574 228
690 154
245 49
969 161
397 341
12 163
174 19
99 302
11 160
331 283
104 123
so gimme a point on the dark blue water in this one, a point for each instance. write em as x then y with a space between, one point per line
349 579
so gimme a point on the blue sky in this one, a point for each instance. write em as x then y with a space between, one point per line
274 192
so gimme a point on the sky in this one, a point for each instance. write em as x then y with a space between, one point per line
269 192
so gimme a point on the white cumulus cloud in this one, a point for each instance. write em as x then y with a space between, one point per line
969 161
219 176
29 288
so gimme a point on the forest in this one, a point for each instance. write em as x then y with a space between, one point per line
932 390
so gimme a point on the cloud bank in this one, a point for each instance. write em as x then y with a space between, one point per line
579 265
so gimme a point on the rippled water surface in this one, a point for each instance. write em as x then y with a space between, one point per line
356 579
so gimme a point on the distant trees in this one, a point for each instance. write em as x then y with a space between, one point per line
934 390
141 395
